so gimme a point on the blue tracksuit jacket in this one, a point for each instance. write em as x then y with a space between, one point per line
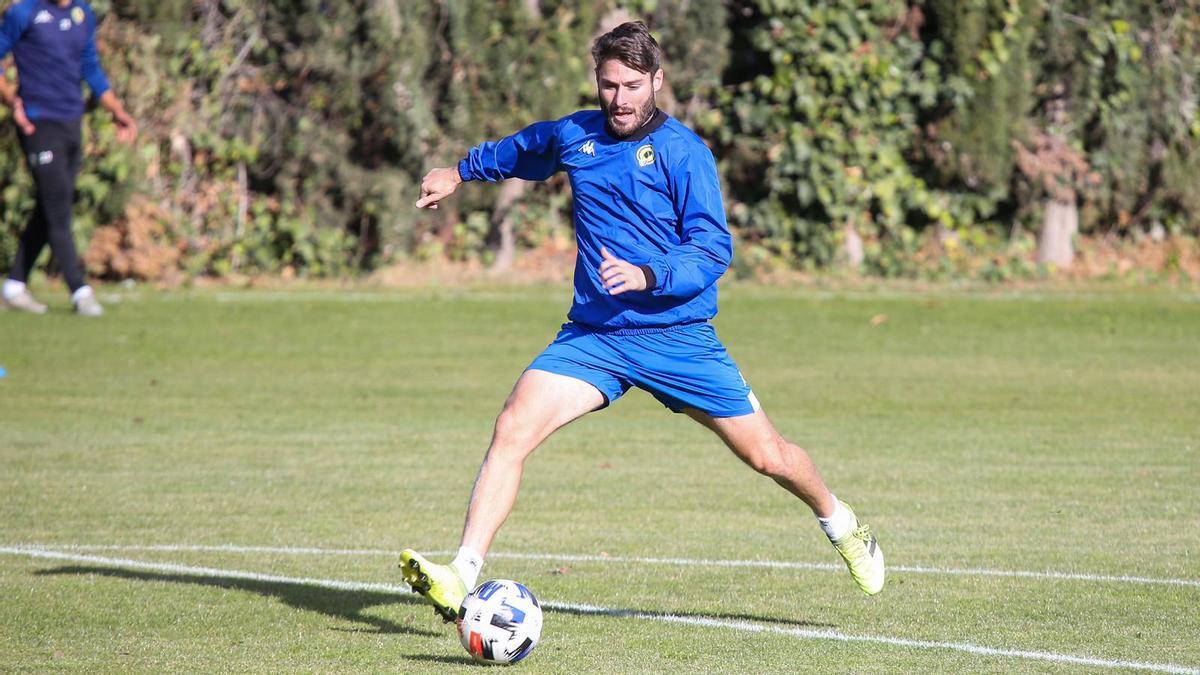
652 199
55 50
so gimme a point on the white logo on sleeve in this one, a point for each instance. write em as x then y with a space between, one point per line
588 148
43 17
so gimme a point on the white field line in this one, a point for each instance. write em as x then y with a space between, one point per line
680 562
877 639
743 626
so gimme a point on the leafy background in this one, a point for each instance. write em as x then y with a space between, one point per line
927 139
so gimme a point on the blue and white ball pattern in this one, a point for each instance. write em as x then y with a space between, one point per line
500 622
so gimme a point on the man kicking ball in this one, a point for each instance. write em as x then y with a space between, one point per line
652 237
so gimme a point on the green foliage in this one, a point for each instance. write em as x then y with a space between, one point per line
694 37
983 49
819 128
291 136
511 67
1124 74
16 191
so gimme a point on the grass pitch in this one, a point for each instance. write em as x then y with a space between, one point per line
218 481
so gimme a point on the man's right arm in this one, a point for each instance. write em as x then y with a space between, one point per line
16 21
529 154
437 185
8 96
8 91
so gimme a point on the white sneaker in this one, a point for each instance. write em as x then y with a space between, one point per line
87 305
23 301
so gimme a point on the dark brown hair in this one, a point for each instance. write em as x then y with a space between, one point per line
630 43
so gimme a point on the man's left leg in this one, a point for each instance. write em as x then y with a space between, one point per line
755 441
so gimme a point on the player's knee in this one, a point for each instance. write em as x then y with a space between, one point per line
513 435
770 458
769 466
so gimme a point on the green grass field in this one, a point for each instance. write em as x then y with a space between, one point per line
176 454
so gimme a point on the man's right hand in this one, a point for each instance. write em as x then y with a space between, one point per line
23 123
437 185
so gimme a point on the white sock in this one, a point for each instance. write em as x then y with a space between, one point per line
839 524
81 292
468 563
13 288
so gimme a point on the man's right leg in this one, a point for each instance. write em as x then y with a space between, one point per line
33 240
36 234
540 403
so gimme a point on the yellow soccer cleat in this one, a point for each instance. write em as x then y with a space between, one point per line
863 556
439 584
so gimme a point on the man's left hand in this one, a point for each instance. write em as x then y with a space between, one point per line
126 126
619 276
21 118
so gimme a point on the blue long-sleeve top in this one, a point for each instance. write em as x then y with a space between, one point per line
55 50
652 199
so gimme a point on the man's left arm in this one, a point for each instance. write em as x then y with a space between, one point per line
706 246
93 74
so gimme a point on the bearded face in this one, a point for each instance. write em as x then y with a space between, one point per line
626 96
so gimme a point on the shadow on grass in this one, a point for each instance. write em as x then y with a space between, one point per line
634 614
794 623
349 605
339 604
640 614
446 660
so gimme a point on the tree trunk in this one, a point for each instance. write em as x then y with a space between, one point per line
854 246
946 237
1059 224
502 236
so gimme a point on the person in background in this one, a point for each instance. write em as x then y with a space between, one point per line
54 45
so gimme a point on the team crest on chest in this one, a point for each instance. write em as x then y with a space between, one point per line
77 15
645 155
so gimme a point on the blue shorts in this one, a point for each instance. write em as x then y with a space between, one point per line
682 366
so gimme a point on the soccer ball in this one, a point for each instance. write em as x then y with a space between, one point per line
500 622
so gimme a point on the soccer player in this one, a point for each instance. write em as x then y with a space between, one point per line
54 44
652 237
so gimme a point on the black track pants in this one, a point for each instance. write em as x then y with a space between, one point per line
53 154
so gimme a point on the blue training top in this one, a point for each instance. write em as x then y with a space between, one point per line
55 49
652 199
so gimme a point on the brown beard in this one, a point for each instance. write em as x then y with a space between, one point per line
641 116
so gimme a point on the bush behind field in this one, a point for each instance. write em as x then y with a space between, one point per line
913 139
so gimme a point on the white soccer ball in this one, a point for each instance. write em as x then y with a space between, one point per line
500 622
